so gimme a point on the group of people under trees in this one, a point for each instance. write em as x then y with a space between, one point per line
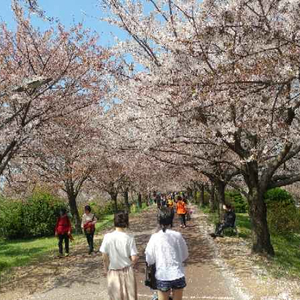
63 229
165 252
175 203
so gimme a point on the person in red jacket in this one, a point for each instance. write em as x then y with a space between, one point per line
63 231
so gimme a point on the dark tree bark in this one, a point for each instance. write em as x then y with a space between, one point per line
140 200
195 195
126 199
74 211
258 211
220 186
202 195
212 199
189 193
114 198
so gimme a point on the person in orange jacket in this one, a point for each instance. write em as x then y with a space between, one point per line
181 211
63 231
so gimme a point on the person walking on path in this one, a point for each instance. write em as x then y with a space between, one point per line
167 250
170 205
181 211
88 223
119 256
63 231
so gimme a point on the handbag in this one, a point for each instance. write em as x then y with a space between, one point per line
89 227
150 280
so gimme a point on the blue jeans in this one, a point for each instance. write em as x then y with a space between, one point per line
165 286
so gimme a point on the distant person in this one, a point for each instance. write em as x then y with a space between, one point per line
63 231
119 256
181 211
167 250
229 221
158 201
88 223
170 205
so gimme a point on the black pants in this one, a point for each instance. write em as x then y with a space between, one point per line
182 219
61 238
90 240
220 227
172 217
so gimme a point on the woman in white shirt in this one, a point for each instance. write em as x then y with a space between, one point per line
167 250
120 255
88 223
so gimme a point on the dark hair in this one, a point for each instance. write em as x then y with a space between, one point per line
121 219
228 206
88 208
63 211
179 198
164 218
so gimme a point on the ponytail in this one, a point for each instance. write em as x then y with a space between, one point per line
164 227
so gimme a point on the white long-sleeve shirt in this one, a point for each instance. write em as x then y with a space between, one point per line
168 250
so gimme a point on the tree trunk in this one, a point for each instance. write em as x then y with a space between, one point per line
260 230
74 212
258 211
140 200
202 195
195 196
212 199
114 198
221 185
190 193
126 199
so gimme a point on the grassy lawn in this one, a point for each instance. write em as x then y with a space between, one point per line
287 247
16 253
20 252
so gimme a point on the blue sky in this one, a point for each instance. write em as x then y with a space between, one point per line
69 12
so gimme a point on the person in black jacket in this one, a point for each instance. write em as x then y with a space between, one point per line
229 221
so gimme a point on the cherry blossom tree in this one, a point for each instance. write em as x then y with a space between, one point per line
222 73
63 155
42 76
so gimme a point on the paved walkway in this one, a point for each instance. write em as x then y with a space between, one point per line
83 278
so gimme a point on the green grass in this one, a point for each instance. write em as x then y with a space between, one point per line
16 253
286 262
105 222
287 255
20 252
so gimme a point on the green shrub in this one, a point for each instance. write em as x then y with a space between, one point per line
237 201
283 218
11 219
283 215
278 195
36 216
40 214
